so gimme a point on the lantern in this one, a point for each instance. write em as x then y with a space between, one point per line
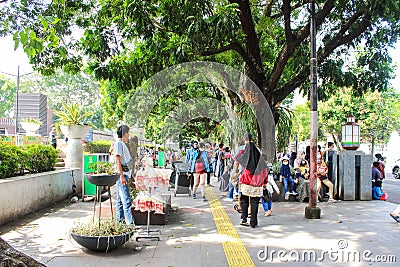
350 134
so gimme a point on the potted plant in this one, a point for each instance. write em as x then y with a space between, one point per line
74 126
30 125
102 235
73 122
103 174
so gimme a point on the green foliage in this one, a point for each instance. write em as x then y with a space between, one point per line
7 90
40 158
126 42
376 113
15 160
101 146
105 227
102 167
72 114
301 121
284 128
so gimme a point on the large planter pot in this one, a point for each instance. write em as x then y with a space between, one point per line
74 131
102 179
101 243
30 127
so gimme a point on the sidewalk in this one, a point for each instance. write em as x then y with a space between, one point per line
346 230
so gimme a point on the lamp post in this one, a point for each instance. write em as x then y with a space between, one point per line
312 211
18 76
350 134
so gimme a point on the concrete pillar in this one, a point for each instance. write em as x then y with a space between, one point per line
74 157
365 178
354 175
349 186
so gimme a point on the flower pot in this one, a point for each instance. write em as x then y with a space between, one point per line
102 179
74 131
30 127
101 243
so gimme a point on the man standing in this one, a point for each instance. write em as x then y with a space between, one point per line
328 158
123 162
53 137
254 175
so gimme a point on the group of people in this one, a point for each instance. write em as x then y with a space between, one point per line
378 174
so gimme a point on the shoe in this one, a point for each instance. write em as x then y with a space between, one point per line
204 199
266 214
253 226
294 193
228 199
210 185
396 218
287 195
194 196
332 200
244 224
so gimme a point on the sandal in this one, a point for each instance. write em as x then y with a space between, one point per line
244 224
237 208
396 218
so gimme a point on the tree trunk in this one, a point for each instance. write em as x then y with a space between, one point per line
10 257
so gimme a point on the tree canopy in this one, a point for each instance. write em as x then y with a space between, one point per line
126 41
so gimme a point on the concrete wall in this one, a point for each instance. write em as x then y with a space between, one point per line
25 194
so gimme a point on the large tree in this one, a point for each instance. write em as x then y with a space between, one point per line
128 41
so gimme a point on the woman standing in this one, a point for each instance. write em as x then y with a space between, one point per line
199 166
254 175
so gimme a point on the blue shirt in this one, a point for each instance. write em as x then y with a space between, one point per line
377 192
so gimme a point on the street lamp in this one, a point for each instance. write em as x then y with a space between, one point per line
18 76
350 134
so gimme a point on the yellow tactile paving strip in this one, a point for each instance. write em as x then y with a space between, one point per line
235 252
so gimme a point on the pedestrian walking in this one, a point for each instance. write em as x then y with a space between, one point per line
253 176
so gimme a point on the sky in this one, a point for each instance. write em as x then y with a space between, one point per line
10 59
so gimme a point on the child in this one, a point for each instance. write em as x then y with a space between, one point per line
266 199
286 178
377 192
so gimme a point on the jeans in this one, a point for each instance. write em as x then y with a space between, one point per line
208 178
231 190
124 202
221 168
267 205
285 184
244 205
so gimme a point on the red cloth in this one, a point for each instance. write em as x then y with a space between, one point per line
257 179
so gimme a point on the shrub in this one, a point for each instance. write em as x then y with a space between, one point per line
41 158
16 160
101 146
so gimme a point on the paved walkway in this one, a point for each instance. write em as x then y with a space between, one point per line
357 233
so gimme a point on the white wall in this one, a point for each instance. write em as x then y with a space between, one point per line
25 194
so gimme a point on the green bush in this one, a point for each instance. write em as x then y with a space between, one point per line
101 146
41 158
16 160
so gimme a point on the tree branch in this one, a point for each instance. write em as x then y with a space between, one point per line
291 45
286 16
294 7
268 8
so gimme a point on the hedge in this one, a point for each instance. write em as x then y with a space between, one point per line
101 146
17 160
